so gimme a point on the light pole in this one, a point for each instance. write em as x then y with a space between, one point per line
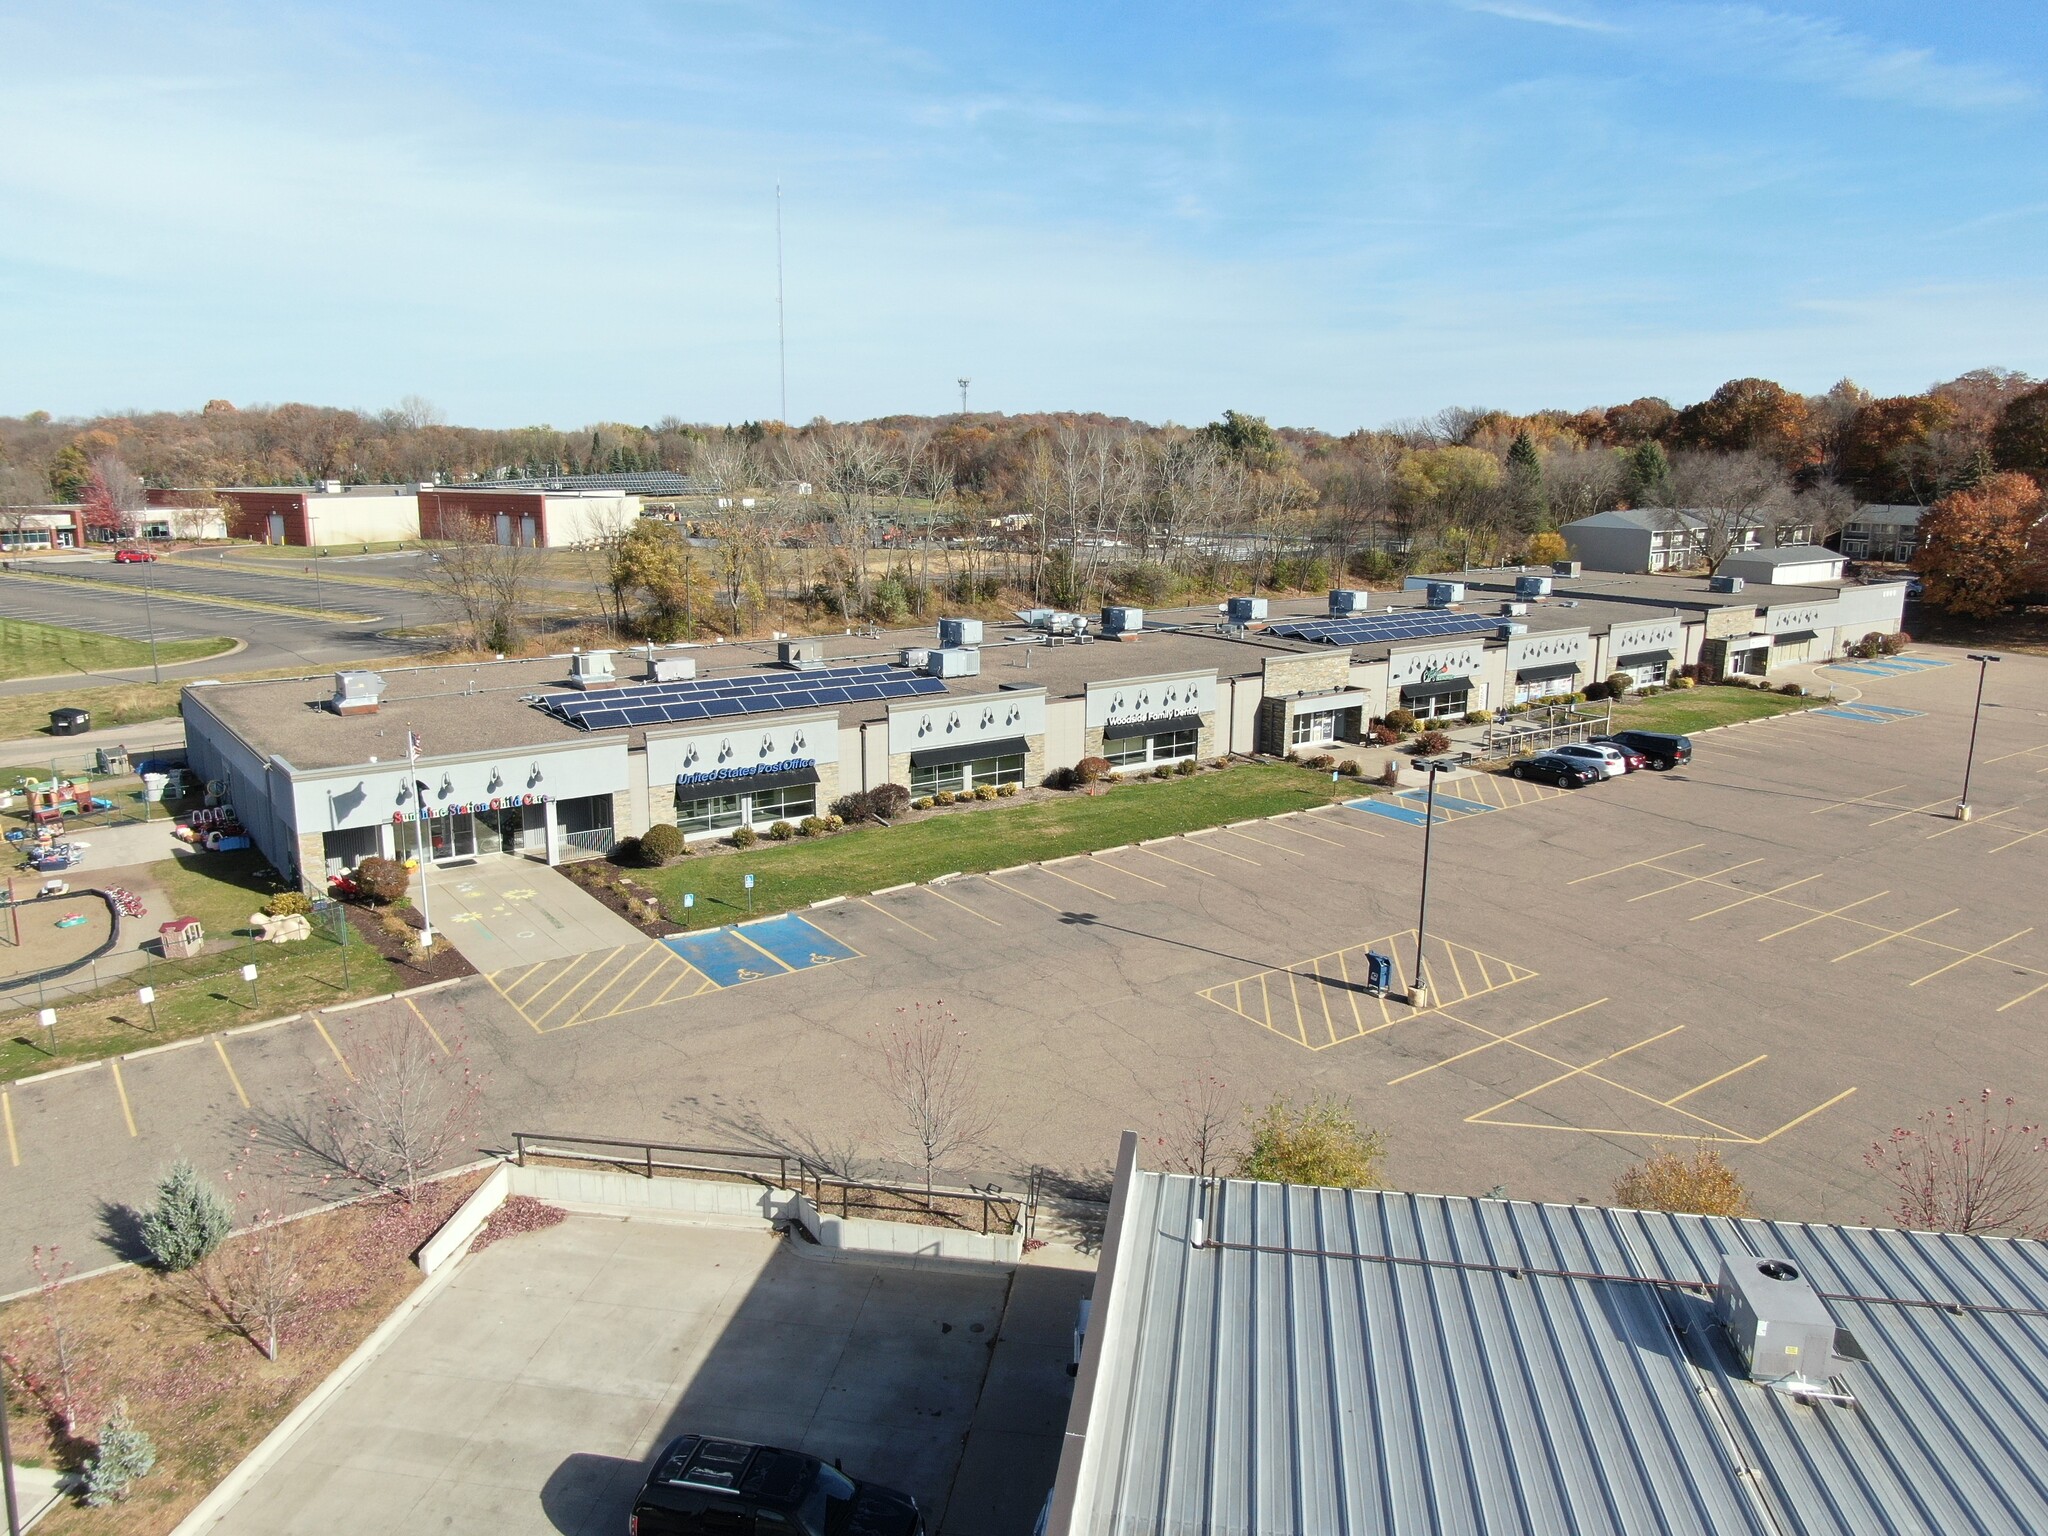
1418 989
149 613
1983 660
7 1471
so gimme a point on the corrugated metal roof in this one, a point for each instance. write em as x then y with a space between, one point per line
1350 1362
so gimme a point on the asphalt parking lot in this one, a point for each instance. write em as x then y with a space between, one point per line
1784 950
530 1394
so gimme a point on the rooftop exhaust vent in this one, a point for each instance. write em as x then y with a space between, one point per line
1530 588
356 693
1442 594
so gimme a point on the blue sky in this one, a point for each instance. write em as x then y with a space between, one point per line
1330 214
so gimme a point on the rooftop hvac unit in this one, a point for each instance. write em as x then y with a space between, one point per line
1509 631
1068 624
672 669
1037 618
954 632
917 657
961 661
1779 1326
331 487
356 693
1444 593
1532 587
803 655
592 669
1515 610
1724 583
1122 621
1567 567
1245 610
1347 600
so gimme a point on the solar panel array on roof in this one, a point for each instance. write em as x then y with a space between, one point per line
645 482
1406 624
714 698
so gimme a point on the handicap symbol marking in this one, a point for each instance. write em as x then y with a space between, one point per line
747 975
759 951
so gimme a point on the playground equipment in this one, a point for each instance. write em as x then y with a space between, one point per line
180 938
50 803
281 929
56 856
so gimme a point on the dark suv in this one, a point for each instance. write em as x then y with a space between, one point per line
706 1487
1661 751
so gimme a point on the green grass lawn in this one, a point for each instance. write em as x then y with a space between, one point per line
1685 710
44 650
205 992
988 837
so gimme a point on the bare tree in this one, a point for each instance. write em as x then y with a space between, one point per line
409 1106
1201 1132
489 585
853 469
931 1077
258 1282
1973 1166
1816 513
1729 493
1583 481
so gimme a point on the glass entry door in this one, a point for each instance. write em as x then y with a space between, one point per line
501 831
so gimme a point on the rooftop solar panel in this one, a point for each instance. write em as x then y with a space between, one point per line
1413 624
717 698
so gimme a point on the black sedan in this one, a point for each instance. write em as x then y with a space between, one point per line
1553 768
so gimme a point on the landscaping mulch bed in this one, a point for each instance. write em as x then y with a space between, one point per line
619 891
201 1390
444 962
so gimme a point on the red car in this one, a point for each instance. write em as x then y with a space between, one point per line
132 556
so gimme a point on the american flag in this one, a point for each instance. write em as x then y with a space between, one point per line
412 742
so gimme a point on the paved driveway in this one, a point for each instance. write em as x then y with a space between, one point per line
504 913
528 1396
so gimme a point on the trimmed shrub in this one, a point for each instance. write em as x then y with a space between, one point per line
1432 742
781 832
1792 691
1891 645
835 823
858 806
1008 791
1092 770
810 826
1163 771
984 791
1400 719
660 843
945 797
190 1219
888 800
382 880
1380 734
626 852
1390 775
924 803
1478 716
1187 769
1596 690
1618 685
1322 760
1349 768
1062 778
123 1456
289 904
744 837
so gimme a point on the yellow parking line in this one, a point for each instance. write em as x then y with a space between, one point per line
351 1071
1821 916
565 973
1842 805
1638 864
1098 890
1338 824
1759 896
1284 825
1913 810
933 890
1802 1119
1964 826
1350 991
2022 997
1507 1039
511 1003
1693 879
1672 1103
992 880
1973 955
895 919
1901 933
1463 991
429 1028
233 1078
1206 874
121 1088
1577 1072
7 1114
2022 752
2001 847
624 971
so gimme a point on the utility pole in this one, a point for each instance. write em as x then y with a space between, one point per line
1418 989
149 613
781 340
1970 758
963 395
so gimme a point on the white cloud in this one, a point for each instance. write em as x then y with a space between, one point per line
1514 10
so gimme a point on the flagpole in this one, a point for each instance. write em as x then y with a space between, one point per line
412 760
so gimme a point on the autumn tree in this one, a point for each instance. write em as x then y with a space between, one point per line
657 561
412 1102
2020 440
1979 548
1888 450
1321 1142
1700 1185
70 472
1749 416
1976 1165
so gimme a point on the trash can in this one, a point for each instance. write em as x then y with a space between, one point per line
70 722
153 787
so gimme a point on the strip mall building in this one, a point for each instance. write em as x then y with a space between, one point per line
316 767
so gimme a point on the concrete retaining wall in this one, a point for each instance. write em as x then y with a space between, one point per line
453 1240
859 1234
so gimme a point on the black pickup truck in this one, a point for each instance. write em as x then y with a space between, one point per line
706 1487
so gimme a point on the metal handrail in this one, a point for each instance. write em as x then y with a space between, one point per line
810 1180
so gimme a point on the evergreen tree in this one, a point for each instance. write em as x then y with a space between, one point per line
1647 471
70 474
1525 483
124 1455
189 1220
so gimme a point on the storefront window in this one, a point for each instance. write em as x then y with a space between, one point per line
1443 706
960 777
1150 751
1316 729
713 814
791 804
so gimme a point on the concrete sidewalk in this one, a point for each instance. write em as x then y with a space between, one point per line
527 1397
502 913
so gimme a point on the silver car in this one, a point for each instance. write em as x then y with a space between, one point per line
1610 762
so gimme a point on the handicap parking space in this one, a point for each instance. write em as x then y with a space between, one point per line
1864 713
775 946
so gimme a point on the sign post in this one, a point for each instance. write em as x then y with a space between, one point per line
147 997
419 789
750 895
